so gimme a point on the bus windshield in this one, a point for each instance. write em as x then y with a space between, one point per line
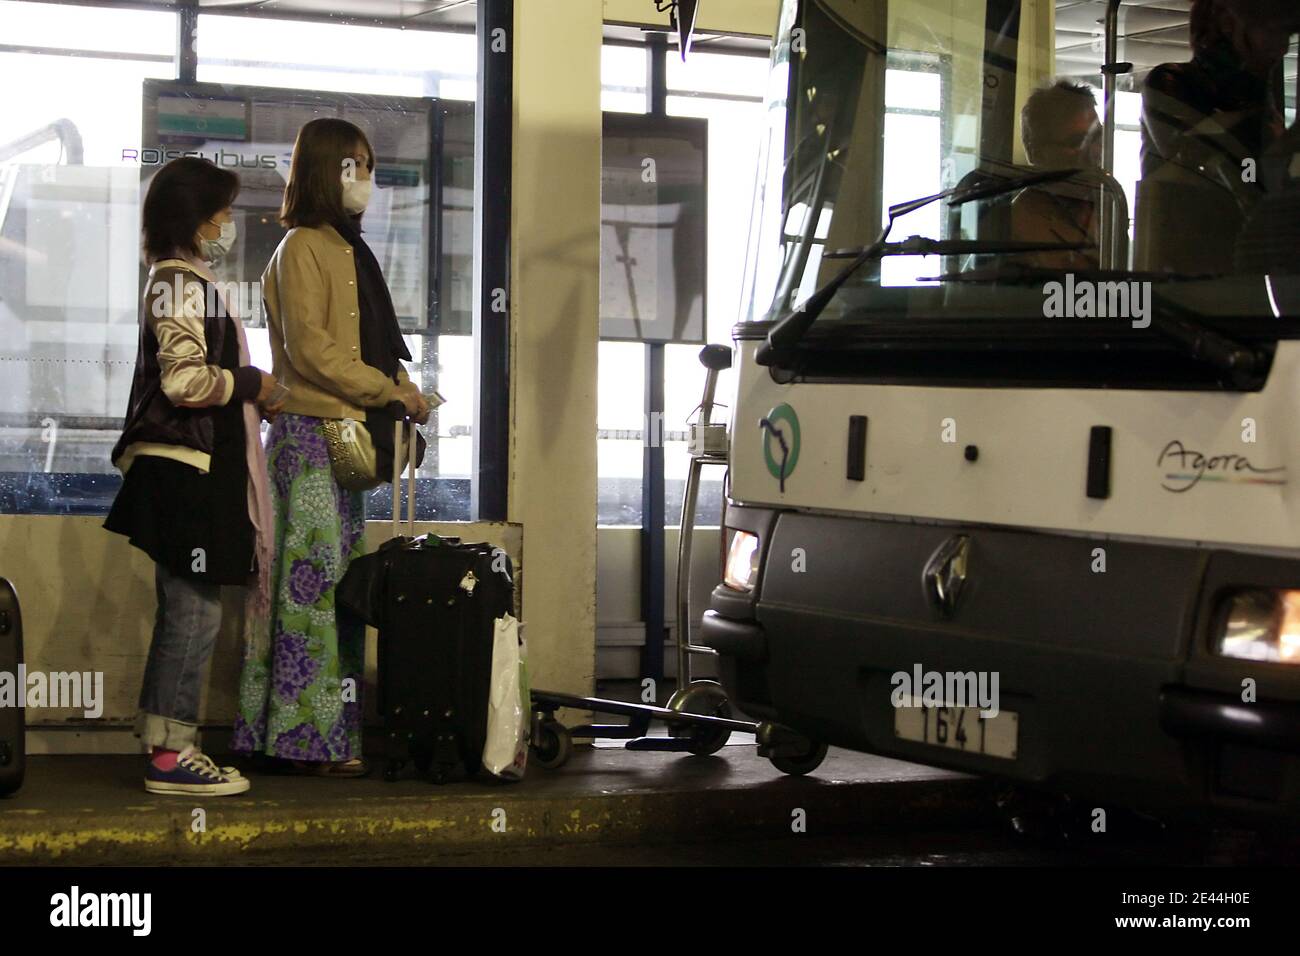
1082 160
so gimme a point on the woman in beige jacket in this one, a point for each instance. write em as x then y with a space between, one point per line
336 344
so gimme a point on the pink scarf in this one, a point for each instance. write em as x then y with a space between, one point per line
258 599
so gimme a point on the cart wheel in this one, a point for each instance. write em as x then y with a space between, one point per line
554 745
706 698
797 765
393 769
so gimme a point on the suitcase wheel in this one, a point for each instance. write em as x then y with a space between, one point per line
552 744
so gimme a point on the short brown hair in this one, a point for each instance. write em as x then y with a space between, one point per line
313 196
182 196
1048 109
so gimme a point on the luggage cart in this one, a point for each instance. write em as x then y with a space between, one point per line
698 714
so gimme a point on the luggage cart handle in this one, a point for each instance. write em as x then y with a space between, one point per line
715 358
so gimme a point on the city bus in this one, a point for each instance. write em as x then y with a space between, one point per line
1015 450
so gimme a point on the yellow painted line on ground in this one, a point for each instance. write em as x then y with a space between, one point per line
68 840
244 834
247 827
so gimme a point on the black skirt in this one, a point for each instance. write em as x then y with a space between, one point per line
195 525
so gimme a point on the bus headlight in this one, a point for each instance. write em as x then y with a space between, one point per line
1262 625
741 571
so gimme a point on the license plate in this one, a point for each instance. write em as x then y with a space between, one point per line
959 728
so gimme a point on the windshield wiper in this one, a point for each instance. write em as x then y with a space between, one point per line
1179 324
1187 329
1184 327
790 329
922 246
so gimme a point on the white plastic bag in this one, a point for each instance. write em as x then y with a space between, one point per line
505 754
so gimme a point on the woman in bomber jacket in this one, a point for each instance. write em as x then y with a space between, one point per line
194 491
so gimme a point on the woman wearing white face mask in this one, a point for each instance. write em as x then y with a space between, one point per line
336 343
194 495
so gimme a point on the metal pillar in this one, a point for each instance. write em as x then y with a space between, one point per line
493 157
653 509
187 53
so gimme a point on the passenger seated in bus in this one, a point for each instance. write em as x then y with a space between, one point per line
1203 122
1061 130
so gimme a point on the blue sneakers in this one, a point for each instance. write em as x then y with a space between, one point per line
195 773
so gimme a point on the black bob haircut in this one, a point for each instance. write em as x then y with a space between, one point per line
183 195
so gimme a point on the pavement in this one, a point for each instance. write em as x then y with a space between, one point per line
93 810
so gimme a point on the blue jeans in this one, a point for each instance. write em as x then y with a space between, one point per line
184 633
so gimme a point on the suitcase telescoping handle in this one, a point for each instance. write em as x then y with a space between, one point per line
404 448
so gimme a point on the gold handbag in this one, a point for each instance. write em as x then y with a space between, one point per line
352 454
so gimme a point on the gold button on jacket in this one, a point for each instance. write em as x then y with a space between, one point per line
310 291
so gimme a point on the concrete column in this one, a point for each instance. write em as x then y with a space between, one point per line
554 304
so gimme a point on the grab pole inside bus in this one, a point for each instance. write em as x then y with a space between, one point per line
1111 70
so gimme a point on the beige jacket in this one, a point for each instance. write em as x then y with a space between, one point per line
310 291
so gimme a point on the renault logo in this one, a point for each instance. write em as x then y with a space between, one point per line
944 576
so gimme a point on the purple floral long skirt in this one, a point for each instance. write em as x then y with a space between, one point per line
300 689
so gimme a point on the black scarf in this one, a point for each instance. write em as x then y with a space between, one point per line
382 345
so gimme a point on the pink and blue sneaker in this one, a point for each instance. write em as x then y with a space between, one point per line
195 773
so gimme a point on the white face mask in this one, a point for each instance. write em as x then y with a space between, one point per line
356 195
214 249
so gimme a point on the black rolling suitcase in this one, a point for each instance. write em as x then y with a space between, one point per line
435 602
13 750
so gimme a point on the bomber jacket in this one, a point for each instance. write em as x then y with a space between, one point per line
312 310
178 377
